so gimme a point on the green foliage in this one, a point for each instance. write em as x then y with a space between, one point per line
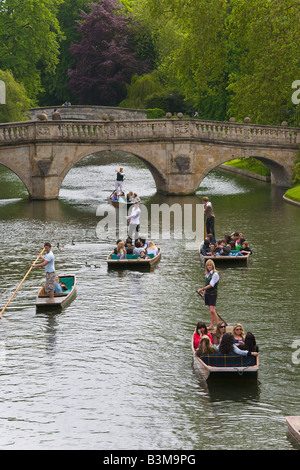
294 193
56 85
296 174
266 34
169 100
140 88
155 113
250 164
29 37
17 102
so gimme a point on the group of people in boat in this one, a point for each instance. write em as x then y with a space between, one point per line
138 247
222 342
231 245
130 198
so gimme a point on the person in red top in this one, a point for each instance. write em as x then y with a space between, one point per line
201 330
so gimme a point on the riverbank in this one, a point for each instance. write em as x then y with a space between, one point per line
254 169
293 195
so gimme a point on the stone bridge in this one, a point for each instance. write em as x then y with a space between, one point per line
178 153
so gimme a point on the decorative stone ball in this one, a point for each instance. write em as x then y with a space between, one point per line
111 117
284 123
105 117
179 115
247 120
168 115
232 119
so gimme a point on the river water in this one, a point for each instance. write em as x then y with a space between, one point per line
114 369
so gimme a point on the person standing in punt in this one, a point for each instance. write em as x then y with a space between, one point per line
48 263
209 217
211 291
119 180
134 221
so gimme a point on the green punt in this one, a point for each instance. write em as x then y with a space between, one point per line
60 300
132 261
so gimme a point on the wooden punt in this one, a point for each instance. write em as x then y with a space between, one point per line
117 204
227 260
60 300
293 423
132 261
225 366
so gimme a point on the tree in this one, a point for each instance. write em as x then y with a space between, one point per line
17 103
29 37
105 57
56 86
140 88
266 33
191 40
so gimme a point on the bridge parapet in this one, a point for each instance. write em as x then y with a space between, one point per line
91 131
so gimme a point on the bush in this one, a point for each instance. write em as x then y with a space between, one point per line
296 174
155 113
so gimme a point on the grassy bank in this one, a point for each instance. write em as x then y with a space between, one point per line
250 164
294 193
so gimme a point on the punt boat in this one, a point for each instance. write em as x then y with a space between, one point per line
293 423
232 260
132 261
60 300
211 366
121 202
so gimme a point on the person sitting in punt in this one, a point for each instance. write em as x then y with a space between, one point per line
227 346
218 334
205 247
59 287
212 249
121 252
137 247
143 255
201 330
250 343
152 249
205 347
143 243
114 196
116 248
129 196
238 334
135 198
129 247
245 248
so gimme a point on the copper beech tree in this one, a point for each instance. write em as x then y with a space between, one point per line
105 57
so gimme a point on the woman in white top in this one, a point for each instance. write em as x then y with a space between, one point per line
211 290
152 249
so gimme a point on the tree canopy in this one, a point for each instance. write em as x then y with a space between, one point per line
29 38
105 58
227 57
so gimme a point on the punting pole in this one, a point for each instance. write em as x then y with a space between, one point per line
21 282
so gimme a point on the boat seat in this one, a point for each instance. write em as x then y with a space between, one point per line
228 360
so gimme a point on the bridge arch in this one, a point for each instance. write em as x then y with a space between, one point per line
84 152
